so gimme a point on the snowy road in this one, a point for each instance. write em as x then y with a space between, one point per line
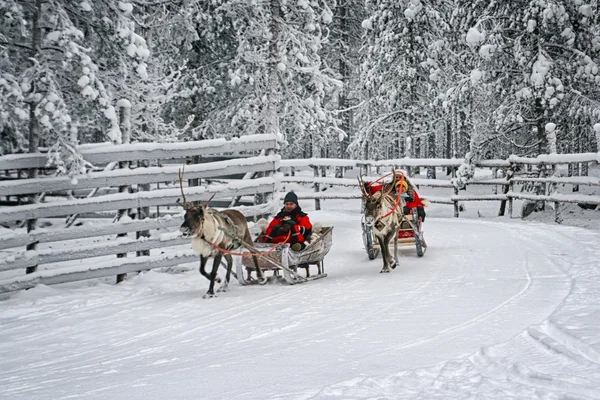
493 310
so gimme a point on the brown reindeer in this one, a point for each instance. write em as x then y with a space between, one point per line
215 234
384 212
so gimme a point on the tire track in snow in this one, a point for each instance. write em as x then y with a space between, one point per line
480 316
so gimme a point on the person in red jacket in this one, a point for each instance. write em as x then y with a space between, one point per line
411 197
290 225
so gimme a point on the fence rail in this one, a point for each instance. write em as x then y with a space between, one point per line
516 169
147 151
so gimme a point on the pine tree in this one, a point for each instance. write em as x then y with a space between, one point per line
399 73
257 69
74 51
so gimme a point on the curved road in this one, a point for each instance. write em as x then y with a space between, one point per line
488 304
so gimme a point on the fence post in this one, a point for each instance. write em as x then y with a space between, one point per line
505 189
510 198
143 212
125 125
317 188
557 217
456 208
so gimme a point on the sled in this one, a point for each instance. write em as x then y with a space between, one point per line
409 234
283 262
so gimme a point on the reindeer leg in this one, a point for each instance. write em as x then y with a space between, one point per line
225 286
259 275
389 236
203 272
213 276
203 261
384 254
395 248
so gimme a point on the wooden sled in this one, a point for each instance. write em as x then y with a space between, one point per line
284 263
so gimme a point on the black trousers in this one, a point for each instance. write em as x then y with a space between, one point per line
420 212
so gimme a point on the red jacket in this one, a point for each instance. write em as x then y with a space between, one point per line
300 228
416 200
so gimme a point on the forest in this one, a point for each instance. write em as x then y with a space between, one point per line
333 78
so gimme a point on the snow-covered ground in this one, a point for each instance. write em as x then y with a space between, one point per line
497 309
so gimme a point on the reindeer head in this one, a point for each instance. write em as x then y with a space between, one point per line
193 220
372 202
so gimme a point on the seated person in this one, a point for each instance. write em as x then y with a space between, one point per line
411 197
290 225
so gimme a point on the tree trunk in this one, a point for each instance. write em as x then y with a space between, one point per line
34 126
125 124
541 128
272 121
344 71
431 154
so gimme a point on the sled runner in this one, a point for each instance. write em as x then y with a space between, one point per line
284 262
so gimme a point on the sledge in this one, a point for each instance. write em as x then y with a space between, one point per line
409 234
284 262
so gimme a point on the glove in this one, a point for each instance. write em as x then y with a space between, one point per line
290 222
406 197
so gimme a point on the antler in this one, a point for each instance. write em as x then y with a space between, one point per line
392 185
361 183
211 197
181 172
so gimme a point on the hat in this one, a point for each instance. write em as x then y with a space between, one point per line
403 184
291 196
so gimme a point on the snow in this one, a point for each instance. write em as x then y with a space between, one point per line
474 37
540 70
476 76
586 10
497 309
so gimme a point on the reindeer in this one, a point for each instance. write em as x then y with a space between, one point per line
386 213
215 234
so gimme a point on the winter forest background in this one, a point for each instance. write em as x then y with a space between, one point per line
348 79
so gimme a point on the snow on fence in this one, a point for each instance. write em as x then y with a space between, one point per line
83 252
515 169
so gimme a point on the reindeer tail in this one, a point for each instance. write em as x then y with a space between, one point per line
425 201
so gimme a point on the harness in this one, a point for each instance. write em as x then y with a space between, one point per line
236 241
378 222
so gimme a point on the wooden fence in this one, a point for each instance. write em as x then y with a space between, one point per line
57 255
85 251
516 171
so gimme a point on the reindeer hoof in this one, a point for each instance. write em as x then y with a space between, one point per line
393 266
209 296
222 289
385 271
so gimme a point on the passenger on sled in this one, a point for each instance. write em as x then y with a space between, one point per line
410 196
290 225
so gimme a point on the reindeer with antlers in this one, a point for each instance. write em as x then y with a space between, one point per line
215 234
384 212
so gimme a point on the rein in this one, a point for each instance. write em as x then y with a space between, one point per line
262 253
398 199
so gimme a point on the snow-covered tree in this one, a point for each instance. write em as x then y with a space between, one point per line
399 73
60 60
541 62
257 68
